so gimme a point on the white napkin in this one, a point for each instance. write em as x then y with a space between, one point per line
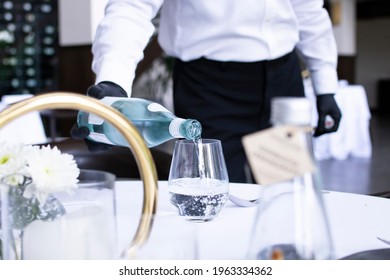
27 129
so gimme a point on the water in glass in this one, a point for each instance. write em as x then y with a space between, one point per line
198 180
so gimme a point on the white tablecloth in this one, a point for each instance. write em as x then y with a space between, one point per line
27 129
356 221
353 136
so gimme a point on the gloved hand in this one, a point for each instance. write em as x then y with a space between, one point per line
97 91
327 106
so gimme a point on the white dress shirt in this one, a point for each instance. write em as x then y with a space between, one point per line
223 30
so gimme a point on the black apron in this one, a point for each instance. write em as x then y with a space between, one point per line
232 99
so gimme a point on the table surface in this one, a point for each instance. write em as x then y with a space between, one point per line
355 220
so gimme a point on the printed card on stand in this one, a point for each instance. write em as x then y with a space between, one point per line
277 154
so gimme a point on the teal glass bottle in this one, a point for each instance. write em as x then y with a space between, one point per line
154 122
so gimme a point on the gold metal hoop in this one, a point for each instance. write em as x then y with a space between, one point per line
142 155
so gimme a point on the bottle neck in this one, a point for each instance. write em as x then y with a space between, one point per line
308 134
307 140
185 128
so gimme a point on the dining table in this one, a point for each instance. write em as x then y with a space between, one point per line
358 223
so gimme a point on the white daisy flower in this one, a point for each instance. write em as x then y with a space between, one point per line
13 158
51 172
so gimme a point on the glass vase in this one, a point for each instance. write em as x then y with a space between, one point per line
74 226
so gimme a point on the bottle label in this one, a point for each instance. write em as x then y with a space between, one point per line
174 127
278 154
98 137
155 107
108 100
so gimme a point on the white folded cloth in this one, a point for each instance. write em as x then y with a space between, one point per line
27 129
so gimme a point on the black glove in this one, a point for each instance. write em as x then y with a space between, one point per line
97 91
327 106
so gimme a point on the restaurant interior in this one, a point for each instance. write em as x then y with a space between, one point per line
50 51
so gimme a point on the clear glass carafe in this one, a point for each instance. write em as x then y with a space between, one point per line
291 220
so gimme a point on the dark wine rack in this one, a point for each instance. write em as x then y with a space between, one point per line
28 46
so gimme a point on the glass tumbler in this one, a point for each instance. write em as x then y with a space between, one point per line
198 181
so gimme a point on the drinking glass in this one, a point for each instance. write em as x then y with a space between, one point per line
86 231
198 181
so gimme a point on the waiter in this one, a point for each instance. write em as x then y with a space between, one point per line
231 58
